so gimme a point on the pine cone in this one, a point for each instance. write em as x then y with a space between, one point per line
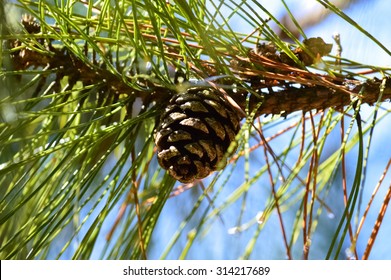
194 132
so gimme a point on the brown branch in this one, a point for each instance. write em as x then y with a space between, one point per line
286 101
265 68
319 98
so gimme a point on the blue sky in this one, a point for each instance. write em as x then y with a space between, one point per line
217 243
216 240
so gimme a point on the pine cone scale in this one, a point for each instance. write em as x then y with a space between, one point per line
179 135
195 124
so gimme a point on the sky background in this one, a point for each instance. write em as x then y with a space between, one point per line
216 240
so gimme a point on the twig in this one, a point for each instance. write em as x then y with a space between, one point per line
378 223
294 89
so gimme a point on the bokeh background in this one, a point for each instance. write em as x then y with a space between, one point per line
226 223
220 239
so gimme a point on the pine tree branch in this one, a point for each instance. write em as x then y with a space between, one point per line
276 81
297 88
320 97
307 97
